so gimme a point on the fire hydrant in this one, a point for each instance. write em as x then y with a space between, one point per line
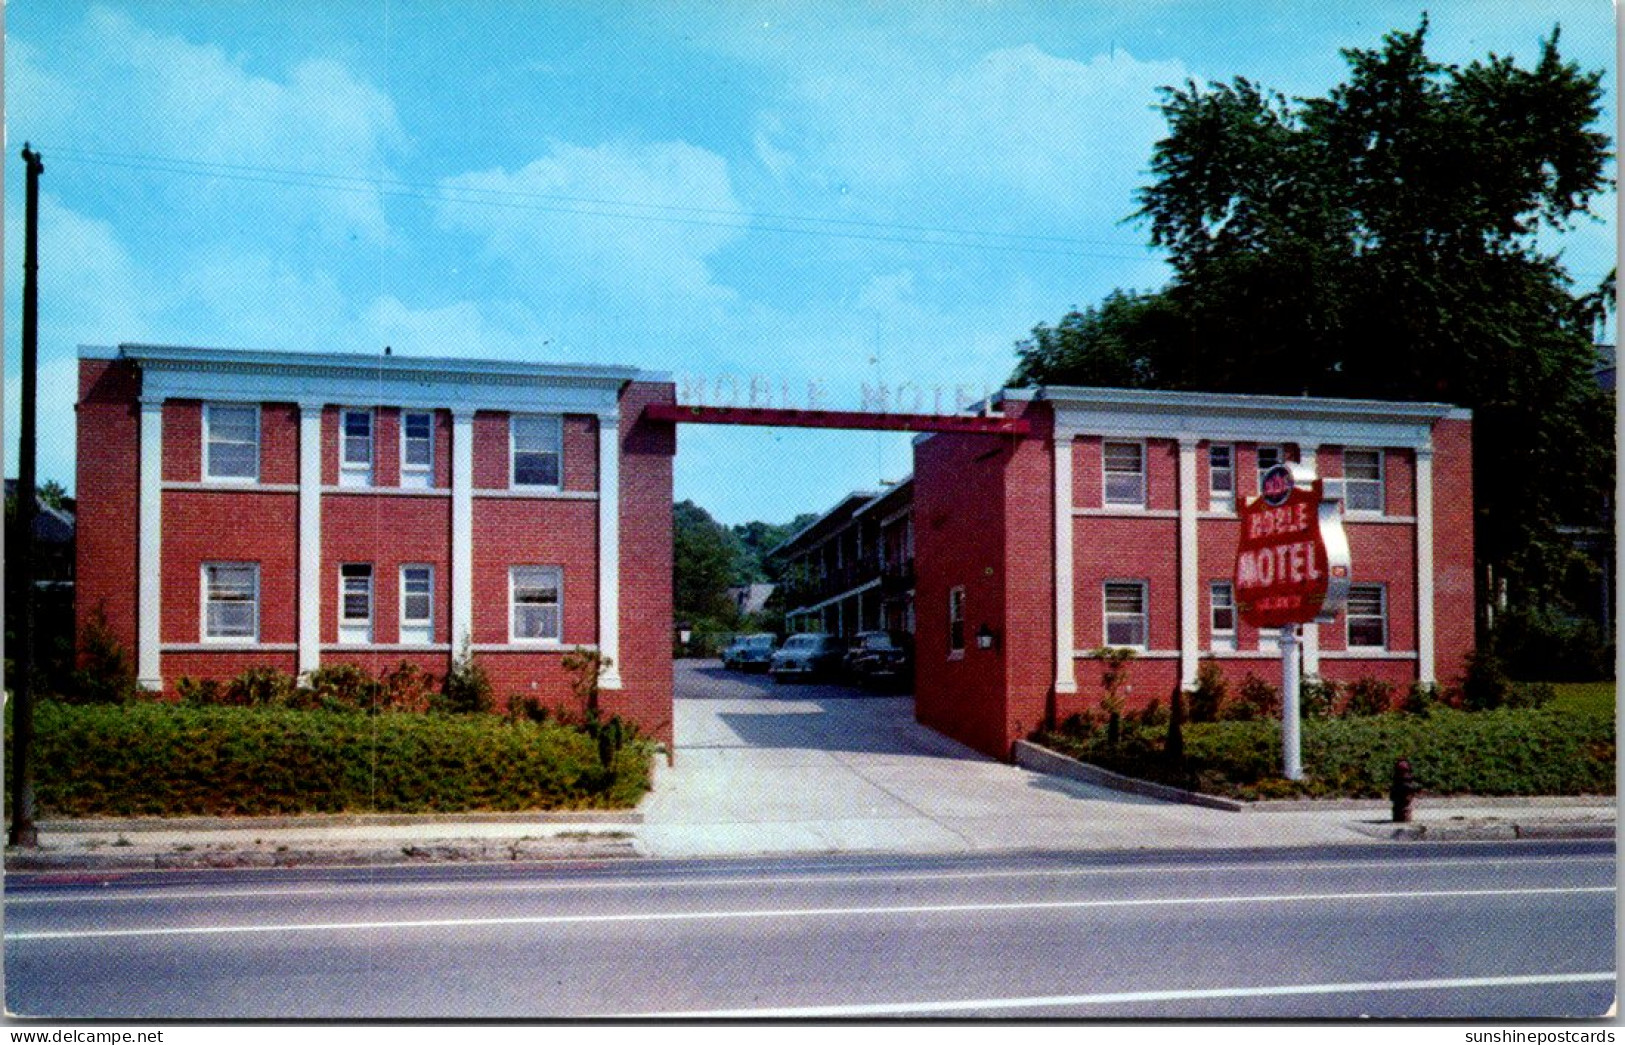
1401 790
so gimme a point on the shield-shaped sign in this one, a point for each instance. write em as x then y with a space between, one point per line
1292 564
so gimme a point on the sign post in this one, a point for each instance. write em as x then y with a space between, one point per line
1292 567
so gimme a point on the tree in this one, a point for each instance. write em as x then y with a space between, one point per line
704 563
1381 242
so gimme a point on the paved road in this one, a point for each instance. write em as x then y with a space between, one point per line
1499 931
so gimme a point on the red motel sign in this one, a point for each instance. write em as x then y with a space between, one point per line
1292 565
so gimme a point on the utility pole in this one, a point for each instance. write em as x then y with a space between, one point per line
23 832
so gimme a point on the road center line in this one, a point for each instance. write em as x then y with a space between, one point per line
1130 997
791 912
110 895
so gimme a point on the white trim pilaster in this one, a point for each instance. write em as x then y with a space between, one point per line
310 537
1190 580
149 545
609 548
462 530
1309 641
1065 677
1425 669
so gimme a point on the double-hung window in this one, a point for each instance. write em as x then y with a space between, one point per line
535 604
1268 457
1221 477
1125 614
417 603
355 602
231 602
417 449
231 442
537 446
1124 466
1362 480
956 620
1222 615
1367 616
355 447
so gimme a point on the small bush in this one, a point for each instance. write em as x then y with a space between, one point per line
1152 715
106 674
524 708
1530 695
341 687
1318 698
1255 699
1484 683
1210 694
1368 696
199 693
467 688
406 688
1421 698
259 687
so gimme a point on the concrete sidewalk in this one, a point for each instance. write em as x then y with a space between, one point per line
767 769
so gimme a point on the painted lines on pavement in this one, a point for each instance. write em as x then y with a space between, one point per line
867 878
794 912
954 1005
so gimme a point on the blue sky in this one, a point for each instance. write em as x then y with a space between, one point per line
787 194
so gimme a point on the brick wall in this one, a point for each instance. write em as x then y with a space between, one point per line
1454 577
387 532
107 482
229 526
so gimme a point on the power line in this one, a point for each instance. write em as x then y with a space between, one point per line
606 208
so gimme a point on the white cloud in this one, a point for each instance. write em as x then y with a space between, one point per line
636 222
1018 125
193 102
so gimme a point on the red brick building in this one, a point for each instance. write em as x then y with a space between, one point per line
293 510
1114 523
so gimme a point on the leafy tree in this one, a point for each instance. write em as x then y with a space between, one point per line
705 560
1382 242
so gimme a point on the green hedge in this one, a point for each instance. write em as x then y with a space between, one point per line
171 760
1511 751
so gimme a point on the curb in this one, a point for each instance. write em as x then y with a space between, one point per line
443 851
1499 831
114 825
1042 760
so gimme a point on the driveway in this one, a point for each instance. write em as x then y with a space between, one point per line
763 767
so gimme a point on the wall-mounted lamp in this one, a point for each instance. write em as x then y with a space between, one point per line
684 633
984 637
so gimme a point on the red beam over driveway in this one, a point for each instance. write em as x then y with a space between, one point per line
853 420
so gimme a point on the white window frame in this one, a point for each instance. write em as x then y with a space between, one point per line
513 606
1221 500
1380 482
1259 467
203 604
1382 616
1144 615
956 615
421 629
417 476
357 473
357 630
208 425
1106 474
1221 640
513 450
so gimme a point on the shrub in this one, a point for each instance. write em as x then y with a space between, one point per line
259 687
152 758
1421 698
524 708
1509 751
467 688
1530 695
1255 699
1484 684
1080 724
406 687
1152 715
1318 698
1544 642
1210 693
106 674
199 693
1368 696
341 687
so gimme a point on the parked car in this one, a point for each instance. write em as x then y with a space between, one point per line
749 652
880 658
808 655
